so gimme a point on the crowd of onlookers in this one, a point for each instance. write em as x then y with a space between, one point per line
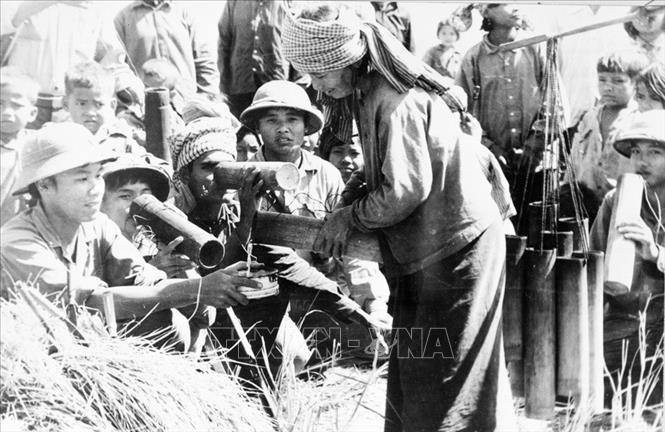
72 89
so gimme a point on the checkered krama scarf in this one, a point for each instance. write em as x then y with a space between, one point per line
200 136
313 46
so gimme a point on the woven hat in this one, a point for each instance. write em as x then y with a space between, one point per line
644 126
282 94
56 148
157 171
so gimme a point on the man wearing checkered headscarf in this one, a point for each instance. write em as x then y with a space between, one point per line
316 47
424 191
198 138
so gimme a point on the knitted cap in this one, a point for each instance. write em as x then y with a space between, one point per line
201 136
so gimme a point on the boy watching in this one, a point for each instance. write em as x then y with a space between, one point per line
127 178
247 143
595 163
18 95
90 100
444 57
642 140
366 284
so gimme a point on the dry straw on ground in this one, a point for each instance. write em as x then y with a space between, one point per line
50 380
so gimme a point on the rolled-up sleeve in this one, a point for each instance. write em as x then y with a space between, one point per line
406 167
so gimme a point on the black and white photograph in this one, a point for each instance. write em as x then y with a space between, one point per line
332 216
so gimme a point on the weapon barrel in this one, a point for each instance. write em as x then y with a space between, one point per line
275 175
156 122
167 224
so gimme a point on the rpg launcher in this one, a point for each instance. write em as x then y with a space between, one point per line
167 223
275 175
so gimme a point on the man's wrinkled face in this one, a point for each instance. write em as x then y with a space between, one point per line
116 204
201 177
647 158
336 84
16 111
282 130
75 195
90 108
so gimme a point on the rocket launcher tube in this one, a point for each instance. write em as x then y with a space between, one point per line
168 223
275 175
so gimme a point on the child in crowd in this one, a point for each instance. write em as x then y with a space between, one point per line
504 94
18 95
444 58
650 88
595 163
248 143
361 279
346 157
125 179
642 140
90 100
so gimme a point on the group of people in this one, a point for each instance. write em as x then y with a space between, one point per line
384 143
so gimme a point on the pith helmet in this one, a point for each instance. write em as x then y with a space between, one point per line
644 126
156 171
56 148
282 94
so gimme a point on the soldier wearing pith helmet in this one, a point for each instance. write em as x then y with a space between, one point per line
64 242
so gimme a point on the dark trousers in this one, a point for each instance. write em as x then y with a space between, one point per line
447 354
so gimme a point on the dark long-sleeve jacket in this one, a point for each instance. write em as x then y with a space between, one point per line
426 191
250 45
